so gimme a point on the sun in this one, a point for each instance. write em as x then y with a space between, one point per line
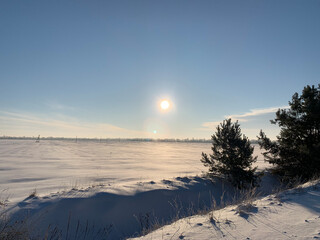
164 104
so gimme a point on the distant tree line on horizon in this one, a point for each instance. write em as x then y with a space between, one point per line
196 140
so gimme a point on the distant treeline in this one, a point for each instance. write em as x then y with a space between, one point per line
109 139
192 140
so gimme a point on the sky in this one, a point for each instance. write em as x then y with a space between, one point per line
100 68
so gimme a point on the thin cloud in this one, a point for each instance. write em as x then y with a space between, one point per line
69 127
255 112
245 117
209 125
59 106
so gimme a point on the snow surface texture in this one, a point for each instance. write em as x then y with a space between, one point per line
52 165
293 214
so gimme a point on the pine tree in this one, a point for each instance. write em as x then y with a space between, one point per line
296 153
232 155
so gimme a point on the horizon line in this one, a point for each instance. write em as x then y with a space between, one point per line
204 140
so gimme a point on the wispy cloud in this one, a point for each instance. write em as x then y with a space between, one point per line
58 106
209 125
30 124
245 117
255 112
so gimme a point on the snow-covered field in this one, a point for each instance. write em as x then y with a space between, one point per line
116 190
51 166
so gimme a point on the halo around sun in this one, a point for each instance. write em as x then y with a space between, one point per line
164 104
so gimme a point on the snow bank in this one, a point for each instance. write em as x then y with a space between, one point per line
292 214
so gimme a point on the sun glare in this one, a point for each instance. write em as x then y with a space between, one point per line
164 105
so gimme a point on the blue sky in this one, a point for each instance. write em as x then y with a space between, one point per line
99 68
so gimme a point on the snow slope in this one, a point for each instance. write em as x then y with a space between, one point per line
292 214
